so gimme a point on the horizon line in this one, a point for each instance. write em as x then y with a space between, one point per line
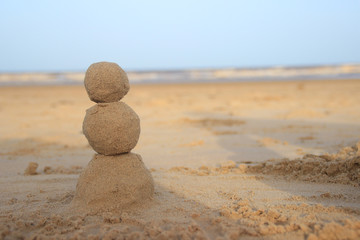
298 66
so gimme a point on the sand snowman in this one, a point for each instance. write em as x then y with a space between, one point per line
115 178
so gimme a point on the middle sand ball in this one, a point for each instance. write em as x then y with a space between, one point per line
111 128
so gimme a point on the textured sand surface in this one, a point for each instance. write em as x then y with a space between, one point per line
229 161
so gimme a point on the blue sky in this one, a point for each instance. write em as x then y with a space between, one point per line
144 35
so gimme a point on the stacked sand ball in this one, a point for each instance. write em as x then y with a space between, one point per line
114 178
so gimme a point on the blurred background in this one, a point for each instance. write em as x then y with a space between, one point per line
53 42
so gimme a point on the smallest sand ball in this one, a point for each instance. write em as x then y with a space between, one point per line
114 183
106 82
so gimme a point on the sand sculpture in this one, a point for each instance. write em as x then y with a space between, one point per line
115 178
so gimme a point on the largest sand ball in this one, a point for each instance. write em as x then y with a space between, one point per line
114 182
111 128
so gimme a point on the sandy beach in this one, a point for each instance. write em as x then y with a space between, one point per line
264 160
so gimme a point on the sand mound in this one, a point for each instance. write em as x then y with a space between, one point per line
342 167
106 82
111 128
113 183
31 168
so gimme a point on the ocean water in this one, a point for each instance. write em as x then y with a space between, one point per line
348 71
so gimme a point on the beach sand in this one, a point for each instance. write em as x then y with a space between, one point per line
271 160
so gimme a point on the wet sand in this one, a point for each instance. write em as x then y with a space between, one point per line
275 160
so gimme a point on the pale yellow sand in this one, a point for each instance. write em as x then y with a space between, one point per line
216 152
